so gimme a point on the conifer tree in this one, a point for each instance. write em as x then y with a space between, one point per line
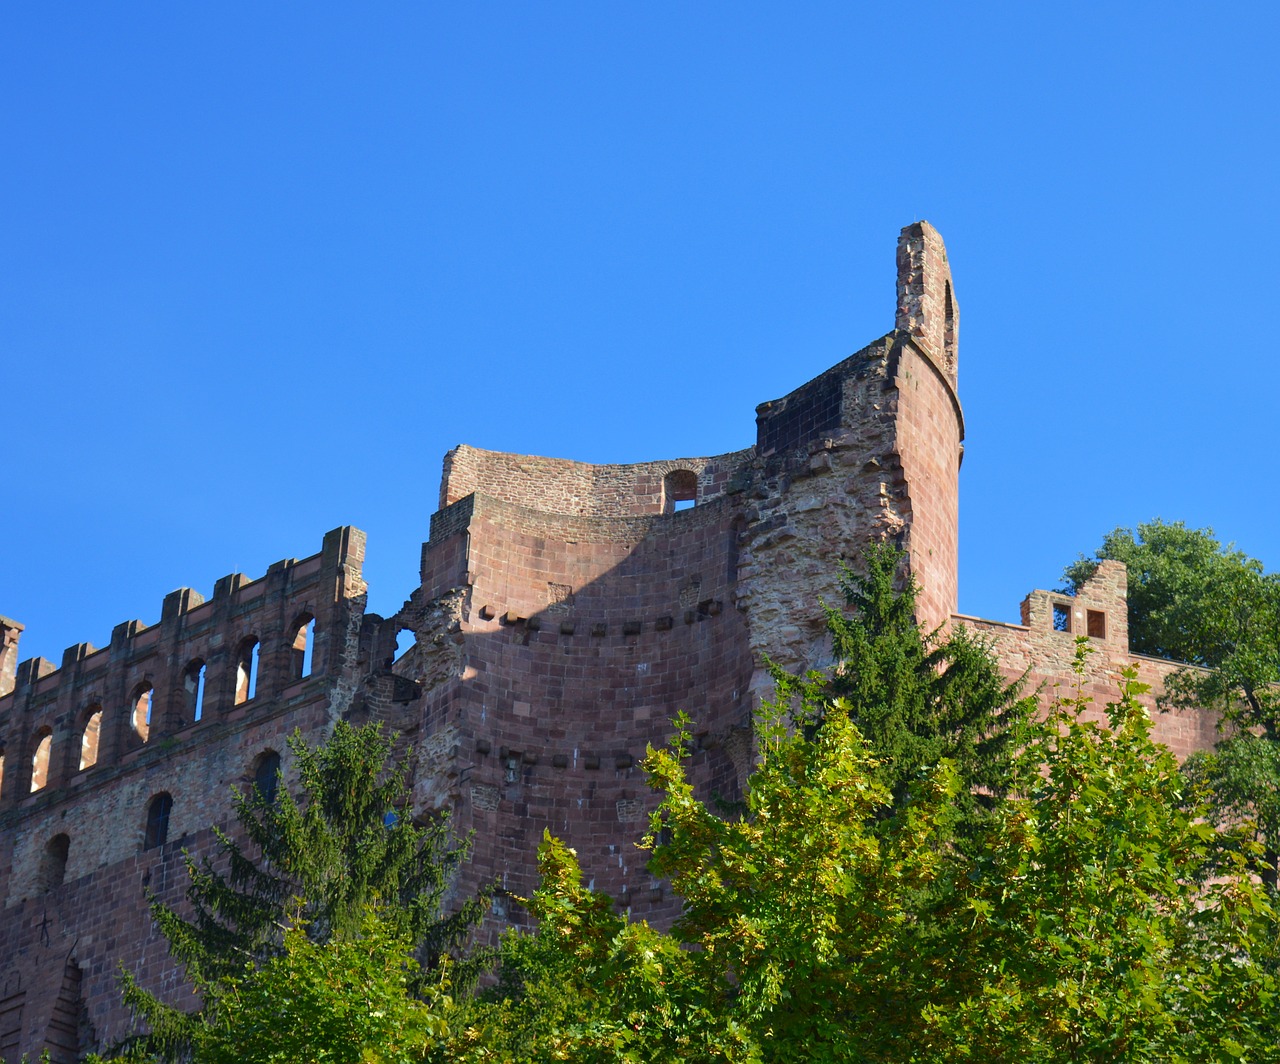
918 697
318 863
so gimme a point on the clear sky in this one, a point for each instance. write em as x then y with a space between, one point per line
261 265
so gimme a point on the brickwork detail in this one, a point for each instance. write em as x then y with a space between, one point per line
565 613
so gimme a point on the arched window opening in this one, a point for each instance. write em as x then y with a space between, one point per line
40 759
53 863
193 684
266 776
158 810
679 490
247 670
303 643
89 738
142 702
406 640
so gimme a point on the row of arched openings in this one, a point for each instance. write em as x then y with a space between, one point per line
193 685
53 862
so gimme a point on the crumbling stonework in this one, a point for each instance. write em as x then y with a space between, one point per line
565 612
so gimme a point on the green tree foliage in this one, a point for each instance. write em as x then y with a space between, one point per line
917 697
341 1001
1096 932
314 866
1193 600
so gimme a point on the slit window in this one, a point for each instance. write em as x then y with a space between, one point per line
158 810
266 776
142 702
247 671
1096 622
301 650
40 760
89 738
1061 617
193 683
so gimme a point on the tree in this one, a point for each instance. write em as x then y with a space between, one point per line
343 1001
1215 609
1096 933
918 697
309 871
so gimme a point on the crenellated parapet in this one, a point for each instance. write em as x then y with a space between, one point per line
204 663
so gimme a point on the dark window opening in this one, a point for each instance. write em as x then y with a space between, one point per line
1096 622
53 865
266 776
1061 617
157 821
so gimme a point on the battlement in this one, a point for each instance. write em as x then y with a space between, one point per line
202 662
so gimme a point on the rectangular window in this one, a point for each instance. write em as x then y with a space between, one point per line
1061 617
1096 621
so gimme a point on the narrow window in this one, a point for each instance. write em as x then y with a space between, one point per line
1061 617
1096 622
679 490
949 329
1 771
158 810
266 776
53 863
89 738
142 711
303 641
40 760
193 684
247 670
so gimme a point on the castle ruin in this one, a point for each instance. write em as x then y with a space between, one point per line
565 613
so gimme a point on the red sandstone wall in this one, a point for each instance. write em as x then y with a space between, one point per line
581 638
930 431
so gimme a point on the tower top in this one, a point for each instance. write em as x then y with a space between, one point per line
927 307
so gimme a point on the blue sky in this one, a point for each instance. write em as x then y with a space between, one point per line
261 265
